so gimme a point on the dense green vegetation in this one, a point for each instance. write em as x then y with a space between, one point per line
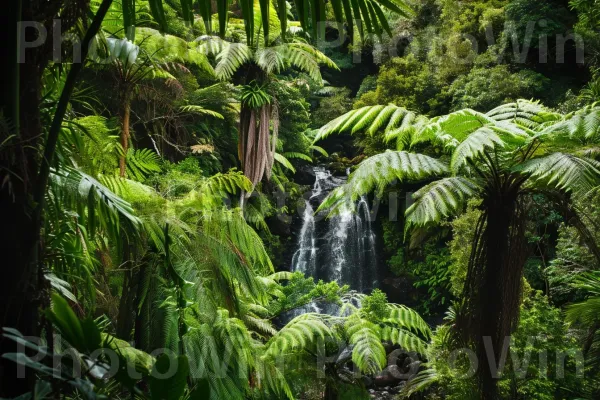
152 175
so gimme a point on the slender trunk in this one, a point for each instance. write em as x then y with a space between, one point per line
125 135
125 320
139 299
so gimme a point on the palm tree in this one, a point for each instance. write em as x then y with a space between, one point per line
503 157
258 114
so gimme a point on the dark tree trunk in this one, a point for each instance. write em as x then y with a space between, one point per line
331 389
20 296
22 187
139 299
493 286
125 319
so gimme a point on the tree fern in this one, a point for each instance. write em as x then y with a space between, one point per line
503 157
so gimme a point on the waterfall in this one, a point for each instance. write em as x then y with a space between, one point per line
341 248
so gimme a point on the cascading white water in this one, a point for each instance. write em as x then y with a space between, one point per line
341 248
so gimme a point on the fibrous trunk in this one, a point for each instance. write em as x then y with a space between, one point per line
255 148
492 292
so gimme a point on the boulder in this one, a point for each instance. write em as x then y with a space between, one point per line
385 378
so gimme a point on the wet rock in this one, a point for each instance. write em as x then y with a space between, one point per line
385 378
413 369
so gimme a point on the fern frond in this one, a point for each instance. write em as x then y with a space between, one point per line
407 318
141 163
320 150
201 111
582 126
406 339
378 171
280 158
473 147
454 128
368 353
298 334
563 171
229 56
424 379
439 200
300 156
530 114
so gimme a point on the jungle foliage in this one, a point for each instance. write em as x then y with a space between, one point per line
149 190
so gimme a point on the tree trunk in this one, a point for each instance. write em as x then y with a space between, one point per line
20 297
331 389
125 135
23 188
139 299
493 287
125 319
